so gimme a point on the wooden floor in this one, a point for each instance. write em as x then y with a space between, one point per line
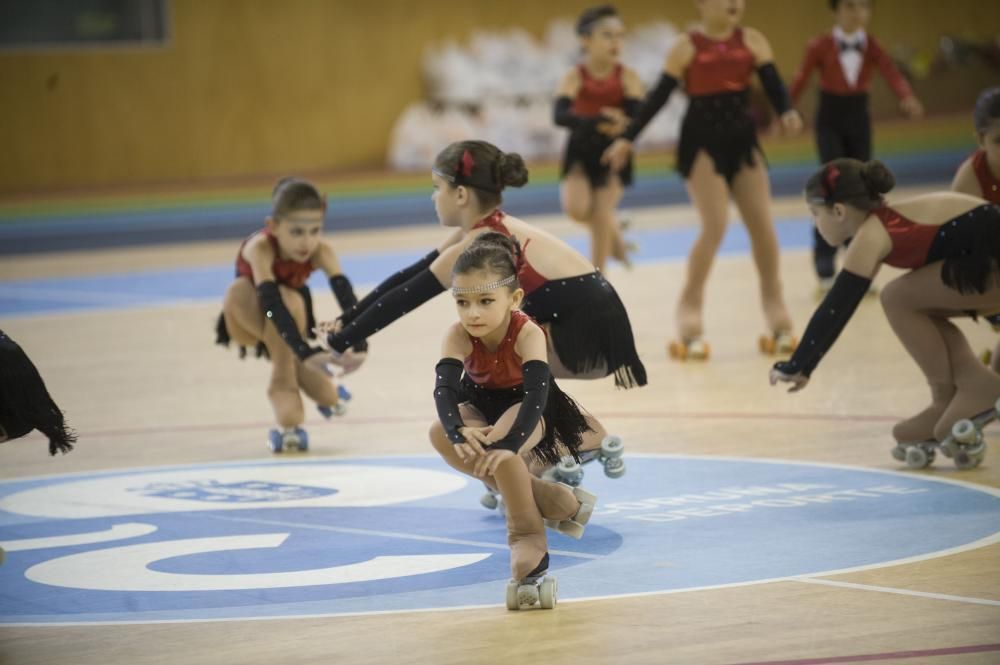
145 386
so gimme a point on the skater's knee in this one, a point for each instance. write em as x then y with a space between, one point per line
894 295
438 438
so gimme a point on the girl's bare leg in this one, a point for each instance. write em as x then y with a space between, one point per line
710 196
752 194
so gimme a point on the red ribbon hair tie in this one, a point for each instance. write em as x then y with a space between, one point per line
830 181
465 164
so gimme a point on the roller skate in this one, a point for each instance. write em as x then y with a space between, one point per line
780 343
535 588
493 501
689 349
574 526
610 455
338 409
966 444
288 440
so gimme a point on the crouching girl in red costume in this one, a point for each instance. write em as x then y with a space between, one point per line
951 245
497 404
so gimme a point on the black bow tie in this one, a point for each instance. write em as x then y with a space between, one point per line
849 46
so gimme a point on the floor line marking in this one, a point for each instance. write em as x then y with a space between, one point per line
891 655
902 592
393 534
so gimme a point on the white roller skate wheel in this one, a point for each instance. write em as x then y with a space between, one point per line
489 501
615 468
339 409
512 603
527 594
899 452
569 471
917 457
965 431
612 446
963 460
547 593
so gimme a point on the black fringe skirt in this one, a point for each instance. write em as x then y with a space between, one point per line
222 337
585 147
589 327
564 423
969 248
721 126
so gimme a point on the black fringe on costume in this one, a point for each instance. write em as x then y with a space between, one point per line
564 423
589 327
222 337
721 126
969 247
585 146
25 403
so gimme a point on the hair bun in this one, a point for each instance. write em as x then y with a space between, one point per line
512 170
877 177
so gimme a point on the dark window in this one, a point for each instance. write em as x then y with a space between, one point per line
31 24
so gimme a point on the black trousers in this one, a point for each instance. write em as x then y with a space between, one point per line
843 129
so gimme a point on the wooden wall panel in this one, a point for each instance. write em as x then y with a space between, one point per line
255 86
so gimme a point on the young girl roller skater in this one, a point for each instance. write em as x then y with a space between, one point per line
587 328
595 100
979 175
496 401
951 245
269 306
846 58
719 158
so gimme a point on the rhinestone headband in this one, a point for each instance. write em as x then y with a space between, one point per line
482 288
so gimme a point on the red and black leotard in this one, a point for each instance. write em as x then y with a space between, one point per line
286 272
718 66
717 119
494 381
586 145
989 185
529 278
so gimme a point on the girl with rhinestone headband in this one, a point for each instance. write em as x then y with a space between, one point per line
498 405
950 242
589 335
595 101
979 175
719 157
269 306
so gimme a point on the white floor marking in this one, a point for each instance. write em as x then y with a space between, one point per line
117 532
902 592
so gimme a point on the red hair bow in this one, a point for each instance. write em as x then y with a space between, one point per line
830 181
465 164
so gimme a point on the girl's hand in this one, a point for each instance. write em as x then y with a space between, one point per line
475 439
488 463
324 328
912 107
616 121
320 362
791 122
782 372
616 154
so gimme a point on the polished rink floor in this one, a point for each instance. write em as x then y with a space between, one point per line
845 554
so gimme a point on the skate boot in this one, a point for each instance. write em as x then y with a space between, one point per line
689 349
338 409
915 442
290 439
534 588
778 343
977 390
563 508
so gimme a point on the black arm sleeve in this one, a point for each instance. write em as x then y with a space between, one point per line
275 310
774 87
827 323
631 106
387 285
536 394
449 375
344 293
651 105
384 310
564 117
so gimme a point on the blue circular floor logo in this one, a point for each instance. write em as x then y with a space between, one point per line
323 537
